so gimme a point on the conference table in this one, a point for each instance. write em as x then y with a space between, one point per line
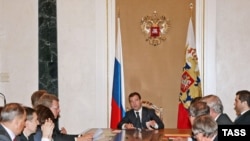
167 134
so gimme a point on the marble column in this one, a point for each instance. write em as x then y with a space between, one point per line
48 70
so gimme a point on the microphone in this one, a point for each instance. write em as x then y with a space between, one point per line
4 99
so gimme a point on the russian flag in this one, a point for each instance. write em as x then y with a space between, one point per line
118 95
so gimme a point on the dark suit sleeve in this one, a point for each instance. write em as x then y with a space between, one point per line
57 136
223 119
126 119
156 118
4 138
64 137
23 138
243 119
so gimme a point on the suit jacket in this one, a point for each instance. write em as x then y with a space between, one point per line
58 136
4 136
23 138
147 115
223 119
38 135
216 138
243 119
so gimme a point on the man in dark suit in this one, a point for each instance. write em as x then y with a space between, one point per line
140 117
52 102
13 117
31 124
242 107
216 109
197 109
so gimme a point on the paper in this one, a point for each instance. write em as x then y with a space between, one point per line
97 134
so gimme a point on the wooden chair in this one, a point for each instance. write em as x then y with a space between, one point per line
158 110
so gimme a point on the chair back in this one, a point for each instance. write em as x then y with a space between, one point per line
158 110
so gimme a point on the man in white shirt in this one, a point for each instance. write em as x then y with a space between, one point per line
140 117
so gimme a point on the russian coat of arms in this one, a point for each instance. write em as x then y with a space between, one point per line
155 28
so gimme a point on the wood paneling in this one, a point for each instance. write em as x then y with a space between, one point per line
155 71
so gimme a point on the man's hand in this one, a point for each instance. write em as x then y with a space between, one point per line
63 130
47 129
85 137
151 124
129 126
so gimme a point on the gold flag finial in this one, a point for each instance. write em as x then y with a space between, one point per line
191 6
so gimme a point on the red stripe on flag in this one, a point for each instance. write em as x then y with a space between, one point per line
183 118
116 115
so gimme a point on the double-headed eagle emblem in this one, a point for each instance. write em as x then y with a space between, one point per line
155 28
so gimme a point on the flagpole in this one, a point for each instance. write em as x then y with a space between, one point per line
190 81
111 32
201 53
108 117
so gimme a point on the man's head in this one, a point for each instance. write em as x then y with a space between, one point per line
31 121
135 101
196 109
214 104
13 116
196 99
52 102
242 101
36 96
204 127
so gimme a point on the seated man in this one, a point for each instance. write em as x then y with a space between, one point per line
196 109
36 96
31 124
140 117
52 102
205 128
216 109
13 118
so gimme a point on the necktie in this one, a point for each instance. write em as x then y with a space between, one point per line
138 120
